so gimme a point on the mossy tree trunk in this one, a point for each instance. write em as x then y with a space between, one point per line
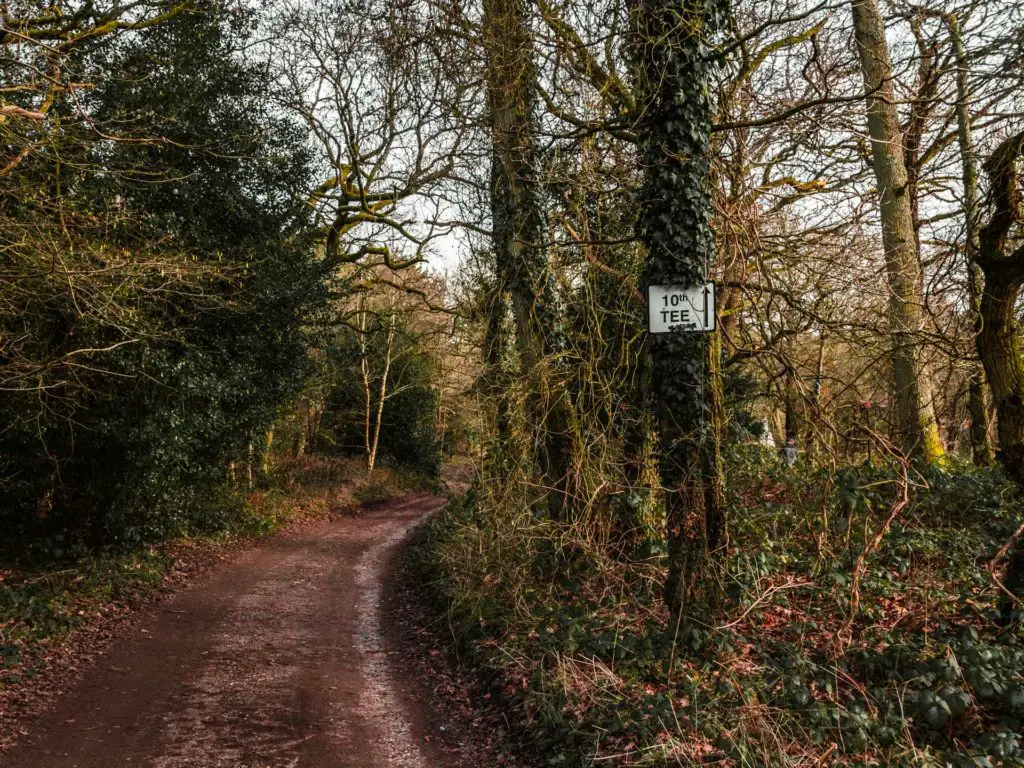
673 50
496 382
915 414
519 239
999 343
1001 259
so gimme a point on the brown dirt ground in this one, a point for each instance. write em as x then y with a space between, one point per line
275 660
469 720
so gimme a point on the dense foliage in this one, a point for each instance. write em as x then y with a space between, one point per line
188 235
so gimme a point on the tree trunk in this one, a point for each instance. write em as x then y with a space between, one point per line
674 69
982 451
519 236
268 444
915 414
637 521
814 428
371 456
303 436
981 445
792 420
999 343
316 418
364 370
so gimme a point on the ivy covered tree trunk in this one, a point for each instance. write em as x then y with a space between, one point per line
496 383
519 239
790 398
672 46
915 414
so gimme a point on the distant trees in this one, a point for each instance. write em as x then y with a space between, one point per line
401 345
388 376
381 90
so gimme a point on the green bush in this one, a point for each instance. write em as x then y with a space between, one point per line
136 445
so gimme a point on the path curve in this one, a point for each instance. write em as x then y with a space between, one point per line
276 661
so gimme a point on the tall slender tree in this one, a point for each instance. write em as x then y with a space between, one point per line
981 446
915 414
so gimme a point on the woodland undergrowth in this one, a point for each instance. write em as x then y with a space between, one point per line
838 647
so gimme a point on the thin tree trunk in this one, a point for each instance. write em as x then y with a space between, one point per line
303 436
267 457
915 414
814 428
316 418
981 445
372 455
792 421
364 369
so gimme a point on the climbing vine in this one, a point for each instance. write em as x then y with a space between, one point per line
674 60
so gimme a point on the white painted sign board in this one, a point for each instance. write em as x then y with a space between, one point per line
672 306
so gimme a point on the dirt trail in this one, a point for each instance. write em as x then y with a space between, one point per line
277 661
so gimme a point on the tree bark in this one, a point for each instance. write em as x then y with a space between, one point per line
672 47
496 385
364 370
303 432
790 397
981 445
999 343
814 428
268 457
1000 347
371 458
915 414
519 240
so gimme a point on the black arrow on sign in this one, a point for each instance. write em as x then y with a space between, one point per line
706 292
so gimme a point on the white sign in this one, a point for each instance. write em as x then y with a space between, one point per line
673 306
